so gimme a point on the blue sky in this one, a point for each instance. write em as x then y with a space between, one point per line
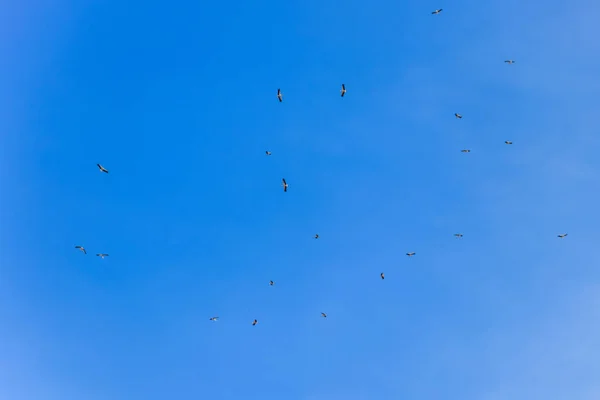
178 101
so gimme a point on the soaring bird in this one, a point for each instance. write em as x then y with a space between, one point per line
268 152
465 151
102 168
382 276
279 95
343 91
254 322
564 235
507 142
271 283
457 115
317 236
284 184
81 248
102 255
510 61
214 318
458 235
411 254
437 11
323 315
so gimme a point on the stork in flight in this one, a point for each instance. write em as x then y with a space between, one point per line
411 254
102 168
317 236
382 276
507 142
458 235
284 184
343 91
279 95
457 115
268 152
254 322
465 151
510 61
102 255
323 315
271 283
439 10
81 248
562 236
214 318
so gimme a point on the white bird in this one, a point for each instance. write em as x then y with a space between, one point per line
254 322
458 235
465 151
457 115
411 254
564 235
510 61
284 184
343 91
279 95
437 11
507 142
323 315
102 168
81 248
214 318
102 255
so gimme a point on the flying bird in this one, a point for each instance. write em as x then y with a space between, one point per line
510 61
457 115
564 235
411 254
279 95
102 168
214 318
254 322
323 315
343 91
284 184
507 142
81 248
465 151
382 276
437 11
458 235
268 152
271 283
102 255
317 236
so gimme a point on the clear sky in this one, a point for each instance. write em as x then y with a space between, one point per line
178 101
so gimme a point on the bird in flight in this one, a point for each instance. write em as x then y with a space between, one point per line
458 235
510 61
81 248
268 152
343 91
102 255
465 151
102 168
279 95
284 184
214 318
271 283
323 315
382 276
317 236
411 254
437 11
507 142
254 322
564 235
457 115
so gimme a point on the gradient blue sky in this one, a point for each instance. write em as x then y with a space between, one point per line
177 100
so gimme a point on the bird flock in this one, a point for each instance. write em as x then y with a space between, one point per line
285 187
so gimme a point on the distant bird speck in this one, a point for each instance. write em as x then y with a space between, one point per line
510 61
271 283
317 236
81 248
254 322
268 152
507 142
458 235
284 184
214 318
382 276
411 254
323 315
343 91
465 151
562 236
102 255
279 95
102 168
437 11
457 115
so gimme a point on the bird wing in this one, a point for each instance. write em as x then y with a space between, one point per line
284 182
